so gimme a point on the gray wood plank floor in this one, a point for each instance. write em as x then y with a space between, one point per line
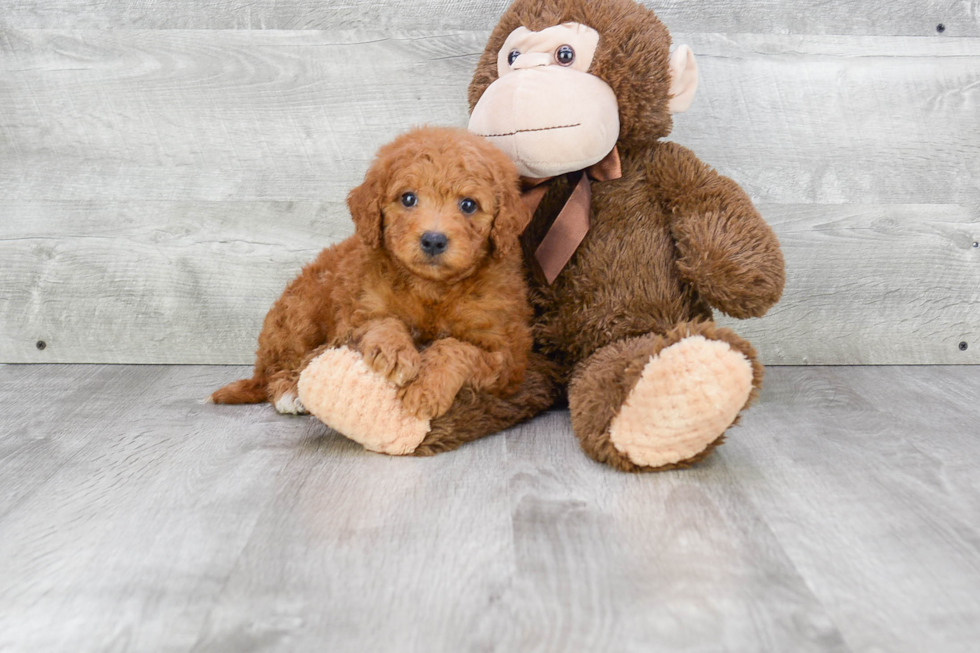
843 515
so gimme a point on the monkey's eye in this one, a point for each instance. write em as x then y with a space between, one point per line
565 55
468 206
409 200
512 57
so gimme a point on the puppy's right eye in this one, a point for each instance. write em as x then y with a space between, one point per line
409 200
512 57
468 206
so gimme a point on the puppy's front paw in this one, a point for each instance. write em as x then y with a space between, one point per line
395 362
426 399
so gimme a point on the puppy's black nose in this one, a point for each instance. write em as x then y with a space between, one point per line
433 243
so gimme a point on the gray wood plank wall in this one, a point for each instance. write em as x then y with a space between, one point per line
166 167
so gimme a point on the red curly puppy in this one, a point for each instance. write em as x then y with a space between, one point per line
430 289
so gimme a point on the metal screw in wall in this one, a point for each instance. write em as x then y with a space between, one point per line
940 28
964 346
41 345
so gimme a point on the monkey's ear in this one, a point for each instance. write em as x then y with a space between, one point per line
683 79
513 216
364 203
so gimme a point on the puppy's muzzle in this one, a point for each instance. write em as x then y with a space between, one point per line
433 243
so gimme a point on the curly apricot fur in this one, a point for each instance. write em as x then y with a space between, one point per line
432 325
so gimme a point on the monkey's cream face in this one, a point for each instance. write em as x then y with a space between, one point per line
546 111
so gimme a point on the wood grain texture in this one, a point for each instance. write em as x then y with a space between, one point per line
841 516
160 188
125 539
879 17
213 116
292 116
411 563
833 120
873 285
190 282
656 561
867 477
163 282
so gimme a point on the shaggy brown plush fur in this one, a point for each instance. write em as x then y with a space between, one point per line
670 240
476 414
432 324
602 383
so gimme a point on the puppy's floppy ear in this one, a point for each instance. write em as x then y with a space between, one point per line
365 204
512 217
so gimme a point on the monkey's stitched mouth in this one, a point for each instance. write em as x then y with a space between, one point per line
524 131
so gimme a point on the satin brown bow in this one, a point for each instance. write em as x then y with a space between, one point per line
569 228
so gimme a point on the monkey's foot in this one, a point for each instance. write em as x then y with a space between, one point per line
687 395
340 390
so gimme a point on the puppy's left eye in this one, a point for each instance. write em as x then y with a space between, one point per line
409 200
468 206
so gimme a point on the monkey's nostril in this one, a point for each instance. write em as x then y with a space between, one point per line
433 243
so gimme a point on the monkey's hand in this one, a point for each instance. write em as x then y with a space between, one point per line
726 251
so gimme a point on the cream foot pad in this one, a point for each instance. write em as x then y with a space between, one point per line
340 390
687 396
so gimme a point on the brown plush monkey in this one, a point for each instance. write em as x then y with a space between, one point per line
625 270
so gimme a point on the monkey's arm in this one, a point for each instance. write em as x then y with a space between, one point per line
726 251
